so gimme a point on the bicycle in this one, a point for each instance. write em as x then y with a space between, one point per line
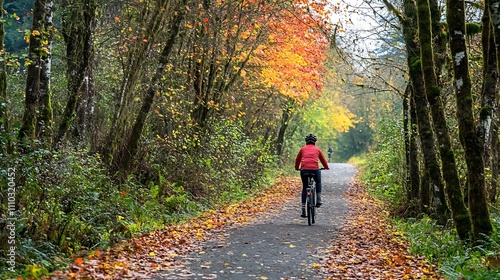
311 198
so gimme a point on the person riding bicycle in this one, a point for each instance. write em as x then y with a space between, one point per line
307 162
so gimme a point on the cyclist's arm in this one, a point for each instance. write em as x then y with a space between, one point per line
298 159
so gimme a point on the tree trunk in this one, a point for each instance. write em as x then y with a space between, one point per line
489 98
79 16
414 163
86 107
433 93
425 131
133 69
133 141
45 117
285 118
431 170
467 130
32 94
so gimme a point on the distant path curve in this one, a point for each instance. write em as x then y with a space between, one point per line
279 246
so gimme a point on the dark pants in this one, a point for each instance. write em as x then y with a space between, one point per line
317 179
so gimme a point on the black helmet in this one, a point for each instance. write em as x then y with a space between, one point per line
311 139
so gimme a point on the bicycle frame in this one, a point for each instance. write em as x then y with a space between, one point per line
311 199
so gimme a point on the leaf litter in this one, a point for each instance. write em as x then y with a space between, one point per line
365 248
368 247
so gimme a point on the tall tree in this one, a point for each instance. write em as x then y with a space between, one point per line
78 19
425 130
488 123
481 222
137 28
45 117
153 86
433 94
35 56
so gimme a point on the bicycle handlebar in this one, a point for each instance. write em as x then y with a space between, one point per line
322 168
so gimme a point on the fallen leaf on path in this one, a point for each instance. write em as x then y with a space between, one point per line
368 248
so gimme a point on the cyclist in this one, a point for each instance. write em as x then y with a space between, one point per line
307 162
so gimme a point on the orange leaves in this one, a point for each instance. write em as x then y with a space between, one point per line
140 257
293 58
366 248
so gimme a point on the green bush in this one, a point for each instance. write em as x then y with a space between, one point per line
383 170
454 259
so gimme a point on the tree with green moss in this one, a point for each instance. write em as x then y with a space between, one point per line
36 53
467 129
78 22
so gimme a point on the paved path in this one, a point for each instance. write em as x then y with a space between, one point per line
279 246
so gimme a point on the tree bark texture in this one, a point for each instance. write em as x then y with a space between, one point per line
418 100
414 162
32 93
431 93
489 98
46 115
79 16
467 129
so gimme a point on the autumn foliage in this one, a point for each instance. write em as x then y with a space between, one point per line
293 59
368 248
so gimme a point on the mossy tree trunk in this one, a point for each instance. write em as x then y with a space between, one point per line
85 127
413 159
78 17
489 99
32 93
467 130
431 166
132 144
433 93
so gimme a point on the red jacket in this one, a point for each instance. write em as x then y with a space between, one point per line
307 158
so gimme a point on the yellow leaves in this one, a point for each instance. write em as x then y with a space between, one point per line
35 33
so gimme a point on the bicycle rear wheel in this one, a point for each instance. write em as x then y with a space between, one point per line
313 213
310 211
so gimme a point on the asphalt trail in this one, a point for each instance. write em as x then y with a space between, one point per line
277 246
